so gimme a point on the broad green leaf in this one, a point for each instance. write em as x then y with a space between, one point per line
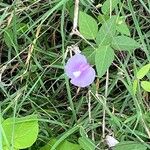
24 131
123 28
129 145
6 148
124 43
145 85
109 6
87 26
135 85
8 37
106 32
86 143
103 59
103 18
143 71
89 52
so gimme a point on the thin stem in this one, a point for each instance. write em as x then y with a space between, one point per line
76 12
104 111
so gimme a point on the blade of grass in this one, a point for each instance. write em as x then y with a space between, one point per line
63 53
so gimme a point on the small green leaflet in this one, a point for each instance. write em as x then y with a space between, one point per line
145 85
106 32
143 71
109 6
123 28
87 26
89 52
25 131
124 43
86 143
129 145
103 59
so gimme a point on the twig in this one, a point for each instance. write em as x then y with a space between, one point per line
1 72
31 48
89 111
89 107
104 111
75 20
75 23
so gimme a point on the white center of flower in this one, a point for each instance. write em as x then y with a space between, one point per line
76 74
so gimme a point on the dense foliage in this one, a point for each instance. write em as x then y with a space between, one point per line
40 108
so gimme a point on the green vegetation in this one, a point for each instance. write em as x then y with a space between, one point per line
40 108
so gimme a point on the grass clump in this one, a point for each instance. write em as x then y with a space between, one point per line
34 39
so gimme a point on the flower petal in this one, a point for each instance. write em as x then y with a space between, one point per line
111 141
85 79
73 64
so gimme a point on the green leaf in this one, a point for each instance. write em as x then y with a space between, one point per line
87 25
143 71
106 32
24 131
6 148
103 59
146 85
86 143
129 145
103 18
89 52
109 6
124 43
123 28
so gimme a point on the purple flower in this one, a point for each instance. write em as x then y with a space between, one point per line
80 72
